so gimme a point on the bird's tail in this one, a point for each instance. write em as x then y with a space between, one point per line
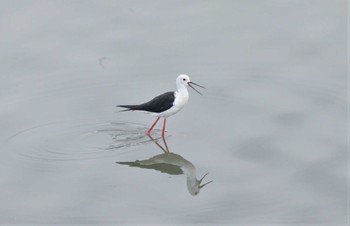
128 107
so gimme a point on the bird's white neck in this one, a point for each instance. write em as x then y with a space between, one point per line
181 96
182 90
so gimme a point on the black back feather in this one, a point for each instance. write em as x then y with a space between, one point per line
158 104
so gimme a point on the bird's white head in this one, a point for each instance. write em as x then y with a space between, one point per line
184 81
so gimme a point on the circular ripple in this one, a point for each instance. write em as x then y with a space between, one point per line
69 141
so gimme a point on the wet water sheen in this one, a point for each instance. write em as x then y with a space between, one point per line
266 144
70 141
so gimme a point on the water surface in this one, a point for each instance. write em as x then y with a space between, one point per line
270 128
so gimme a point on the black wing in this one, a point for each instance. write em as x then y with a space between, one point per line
162 167
158 104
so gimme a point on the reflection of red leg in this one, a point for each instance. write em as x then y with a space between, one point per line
150 129
160 146
166 145
164 127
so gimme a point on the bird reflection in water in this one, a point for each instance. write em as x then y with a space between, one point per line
172 164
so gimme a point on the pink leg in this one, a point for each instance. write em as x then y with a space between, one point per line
150 129
163 132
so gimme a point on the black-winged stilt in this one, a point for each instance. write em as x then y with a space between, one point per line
167 104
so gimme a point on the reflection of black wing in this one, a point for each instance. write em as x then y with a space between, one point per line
158 104
162 167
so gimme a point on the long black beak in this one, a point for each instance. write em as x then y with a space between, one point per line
200 181
189 84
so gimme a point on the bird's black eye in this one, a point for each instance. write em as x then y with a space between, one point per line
184 79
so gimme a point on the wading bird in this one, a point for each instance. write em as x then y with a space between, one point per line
167 104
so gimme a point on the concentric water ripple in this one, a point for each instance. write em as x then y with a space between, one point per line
69 141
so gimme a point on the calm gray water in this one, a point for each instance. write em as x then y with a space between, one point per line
270 129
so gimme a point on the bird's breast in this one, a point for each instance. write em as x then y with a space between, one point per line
180 100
